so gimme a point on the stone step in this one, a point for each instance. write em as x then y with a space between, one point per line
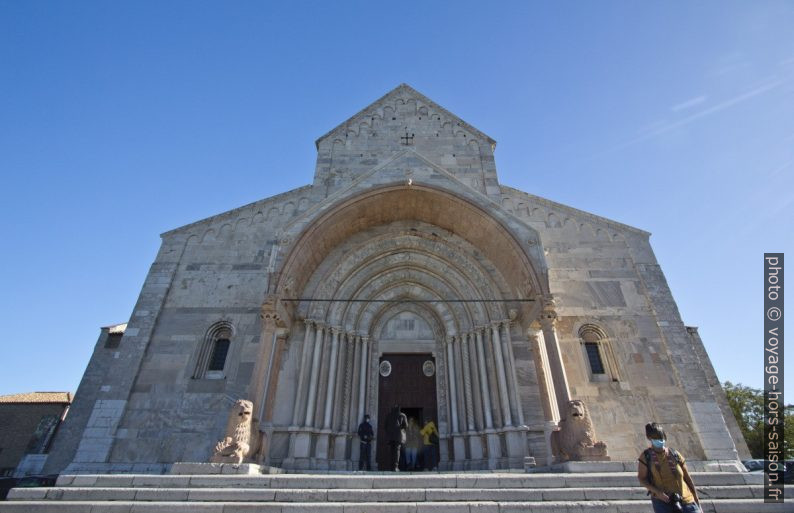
369 481
359 495
617 506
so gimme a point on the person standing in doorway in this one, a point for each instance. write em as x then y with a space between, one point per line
662 471
412 444
365 436
396 423
430 441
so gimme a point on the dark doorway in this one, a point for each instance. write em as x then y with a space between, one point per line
409 386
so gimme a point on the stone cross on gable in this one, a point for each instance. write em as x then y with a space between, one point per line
407 140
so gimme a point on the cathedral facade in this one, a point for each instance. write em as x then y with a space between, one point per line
405 273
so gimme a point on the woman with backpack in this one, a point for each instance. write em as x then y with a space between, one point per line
662 471
430 441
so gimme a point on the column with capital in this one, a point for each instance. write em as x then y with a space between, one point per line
271 388
548 397
264 377
548 319
501 375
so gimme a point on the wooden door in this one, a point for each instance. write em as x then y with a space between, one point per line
409 386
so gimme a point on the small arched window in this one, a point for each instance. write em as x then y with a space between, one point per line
597 353
214 352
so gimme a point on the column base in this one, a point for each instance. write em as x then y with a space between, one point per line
494 449
459 452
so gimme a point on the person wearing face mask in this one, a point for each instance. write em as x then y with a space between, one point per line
662 471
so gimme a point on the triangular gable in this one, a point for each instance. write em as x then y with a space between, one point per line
402 91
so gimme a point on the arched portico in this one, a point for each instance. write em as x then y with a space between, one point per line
460 265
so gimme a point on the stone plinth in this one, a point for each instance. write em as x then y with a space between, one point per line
183 468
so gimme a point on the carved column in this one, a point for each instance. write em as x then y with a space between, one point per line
464 348
331 386
271 384
453 396
273 317
501 376
315 376
548 320
547 396
362 384
512 381
300 399
486 396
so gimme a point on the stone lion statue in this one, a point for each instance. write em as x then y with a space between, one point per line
240 440
575 439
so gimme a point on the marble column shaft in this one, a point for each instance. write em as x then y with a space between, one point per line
501 375
453 399
298 412
260 377
558 373
362 385
483 375
331 384
349 367
548 397
467 393
315 376
512 381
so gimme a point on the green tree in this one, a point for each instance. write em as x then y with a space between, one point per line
748 408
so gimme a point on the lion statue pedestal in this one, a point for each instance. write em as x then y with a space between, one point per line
575 439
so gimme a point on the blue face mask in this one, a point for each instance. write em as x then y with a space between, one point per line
657 444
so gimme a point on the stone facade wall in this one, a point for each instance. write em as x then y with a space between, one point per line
603 273
145 404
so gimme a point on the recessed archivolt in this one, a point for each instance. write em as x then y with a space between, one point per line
484 230
359 315
393 240
408 253
390 310
453 284
377 286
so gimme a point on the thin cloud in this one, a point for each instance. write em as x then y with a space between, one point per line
667 127
689 103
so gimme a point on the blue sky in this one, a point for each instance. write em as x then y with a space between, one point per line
122 120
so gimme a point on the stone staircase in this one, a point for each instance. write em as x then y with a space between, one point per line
720 492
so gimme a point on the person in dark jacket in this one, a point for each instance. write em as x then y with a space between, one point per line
365 437
396 423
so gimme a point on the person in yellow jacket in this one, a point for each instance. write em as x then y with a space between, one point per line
662 471
430 440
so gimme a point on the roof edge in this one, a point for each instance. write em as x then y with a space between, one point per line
577 211
237 209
